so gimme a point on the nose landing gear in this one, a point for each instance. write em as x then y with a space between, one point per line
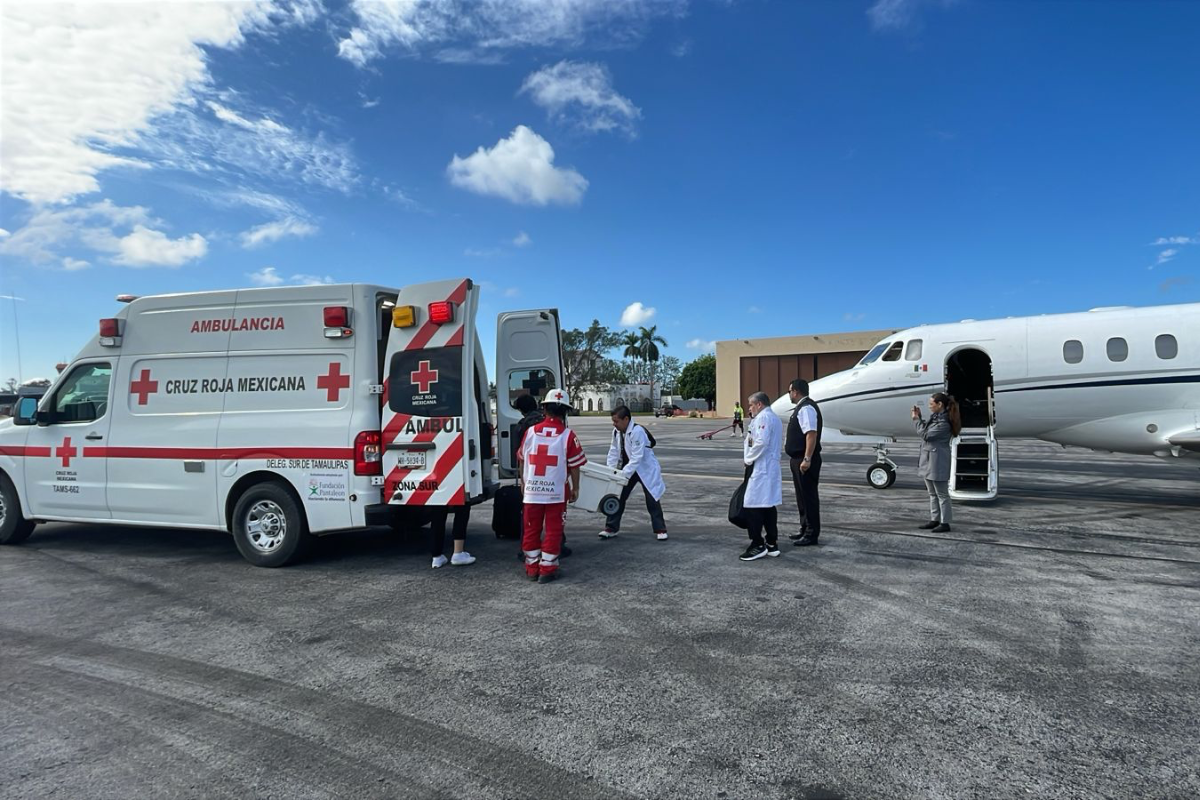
881 474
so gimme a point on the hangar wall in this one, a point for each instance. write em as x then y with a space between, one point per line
748 365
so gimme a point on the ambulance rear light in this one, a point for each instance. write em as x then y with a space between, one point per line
404 316
337 322
441 313
110 332
368 453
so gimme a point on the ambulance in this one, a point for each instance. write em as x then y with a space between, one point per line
277 414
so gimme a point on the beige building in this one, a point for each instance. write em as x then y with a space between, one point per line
745 366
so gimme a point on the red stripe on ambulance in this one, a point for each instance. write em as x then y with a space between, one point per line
422 336
449 459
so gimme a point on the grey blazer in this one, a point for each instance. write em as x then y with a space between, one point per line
935 447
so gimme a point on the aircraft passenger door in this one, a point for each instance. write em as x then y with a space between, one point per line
974 456
528 361
66 466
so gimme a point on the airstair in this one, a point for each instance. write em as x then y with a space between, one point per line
974 460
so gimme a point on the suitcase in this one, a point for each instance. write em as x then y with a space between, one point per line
506 513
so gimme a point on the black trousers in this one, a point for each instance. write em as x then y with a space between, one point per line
808 502
613 523
760 518
437 528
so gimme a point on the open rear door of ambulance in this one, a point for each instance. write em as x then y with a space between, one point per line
425 396
528 361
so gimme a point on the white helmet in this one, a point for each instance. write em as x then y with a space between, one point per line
558 396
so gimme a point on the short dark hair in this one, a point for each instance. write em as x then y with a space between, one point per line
800 385
621 412
525 403
556 410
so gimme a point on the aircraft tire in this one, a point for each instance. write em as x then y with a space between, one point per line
881 476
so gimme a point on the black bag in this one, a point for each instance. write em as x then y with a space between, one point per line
737 511
650 436
506 513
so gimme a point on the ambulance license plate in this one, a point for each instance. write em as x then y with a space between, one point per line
412 459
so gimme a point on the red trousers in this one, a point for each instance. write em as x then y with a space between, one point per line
541 555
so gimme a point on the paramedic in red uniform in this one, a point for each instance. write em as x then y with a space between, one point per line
550 456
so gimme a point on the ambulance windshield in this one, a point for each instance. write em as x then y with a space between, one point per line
426 382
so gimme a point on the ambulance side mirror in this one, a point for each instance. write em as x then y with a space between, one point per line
26 411
46 418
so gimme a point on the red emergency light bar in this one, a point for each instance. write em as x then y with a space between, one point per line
441 313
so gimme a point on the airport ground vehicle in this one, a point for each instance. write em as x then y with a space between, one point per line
276 413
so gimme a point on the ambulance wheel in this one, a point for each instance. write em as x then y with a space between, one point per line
268 527
14 528
610 505
881 476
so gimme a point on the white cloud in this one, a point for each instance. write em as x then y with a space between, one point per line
3 233
481 252
482 31
1175 240
636 314
897 15
512 291
519 169
522 240
83 79
100 226
582 93
703 345
74 264
1166 255
753 310
274 231
851 317
12 297
269 276
144 247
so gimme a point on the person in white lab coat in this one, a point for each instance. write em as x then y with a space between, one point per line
632 453
764 481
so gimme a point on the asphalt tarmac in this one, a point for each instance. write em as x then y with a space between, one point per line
1045 647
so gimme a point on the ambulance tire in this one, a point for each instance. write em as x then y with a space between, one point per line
268 526
14 528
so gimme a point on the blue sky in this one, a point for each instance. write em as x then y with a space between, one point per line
720 169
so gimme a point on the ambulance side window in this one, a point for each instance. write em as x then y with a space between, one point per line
426 382
83 396
529 381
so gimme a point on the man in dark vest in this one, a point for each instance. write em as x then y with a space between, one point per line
803 446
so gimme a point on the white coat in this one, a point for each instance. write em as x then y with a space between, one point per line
641 459
764 443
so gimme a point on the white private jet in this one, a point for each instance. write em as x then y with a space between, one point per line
1120 379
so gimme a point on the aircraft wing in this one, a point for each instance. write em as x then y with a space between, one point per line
1190 440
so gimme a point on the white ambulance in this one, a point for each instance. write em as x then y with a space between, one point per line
276 414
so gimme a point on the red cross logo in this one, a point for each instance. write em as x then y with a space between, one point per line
333 382
66 452
424 377
143 387
541 459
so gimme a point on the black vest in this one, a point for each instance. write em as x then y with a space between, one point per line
794 444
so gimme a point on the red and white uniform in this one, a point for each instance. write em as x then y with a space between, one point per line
549 450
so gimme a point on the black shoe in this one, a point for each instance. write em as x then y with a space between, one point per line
772 551
802 534
928 526
943 528
807 541
550 578
754 552
566 551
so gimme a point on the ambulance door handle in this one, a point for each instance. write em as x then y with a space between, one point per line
94 436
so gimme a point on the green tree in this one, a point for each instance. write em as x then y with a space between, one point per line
650 340
584 361
699 379
668 373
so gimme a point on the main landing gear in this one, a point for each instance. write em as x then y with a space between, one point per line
882 473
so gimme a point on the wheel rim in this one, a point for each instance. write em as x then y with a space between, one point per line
266 526
3 510
879 477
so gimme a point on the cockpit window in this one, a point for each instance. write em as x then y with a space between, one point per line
893 353
913 353
874 355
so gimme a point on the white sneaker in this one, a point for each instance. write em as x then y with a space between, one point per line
440 561
661 536
462 559
607 534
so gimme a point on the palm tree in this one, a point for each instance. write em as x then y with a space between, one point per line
649 340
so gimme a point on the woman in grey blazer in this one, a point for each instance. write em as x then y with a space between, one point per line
944 424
